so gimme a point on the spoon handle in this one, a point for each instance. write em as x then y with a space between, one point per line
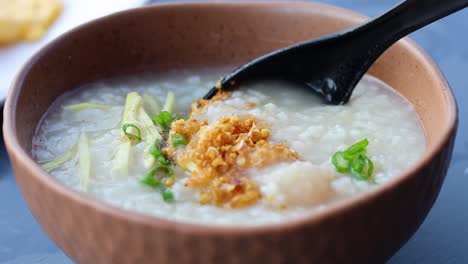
365 43
373 38
410 16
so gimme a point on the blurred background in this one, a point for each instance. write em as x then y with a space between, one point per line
442 238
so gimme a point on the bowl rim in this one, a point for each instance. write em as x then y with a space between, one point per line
24 159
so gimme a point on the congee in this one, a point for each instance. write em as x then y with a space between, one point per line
264 153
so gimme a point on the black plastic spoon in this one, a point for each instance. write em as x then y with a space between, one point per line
332 65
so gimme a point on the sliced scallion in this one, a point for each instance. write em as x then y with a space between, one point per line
354 161
150 181
164 170
179 140
163 119
131 135
156 152
358 163
167 196
353 151
154 179
362 168
341 164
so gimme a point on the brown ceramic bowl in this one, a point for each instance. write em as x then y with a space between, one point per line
365 229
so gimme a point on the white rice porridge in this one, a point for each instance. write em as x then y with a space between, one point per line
289 189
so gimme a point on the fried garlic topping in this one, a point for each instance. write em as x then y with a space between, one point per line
218 154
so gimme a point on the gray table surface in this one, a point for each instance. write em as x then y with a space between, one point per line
443 237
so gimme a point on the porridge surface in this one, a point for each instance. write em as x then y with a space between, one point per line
297 119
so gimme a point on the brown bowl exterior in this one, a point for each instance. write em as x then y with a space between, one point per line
366 229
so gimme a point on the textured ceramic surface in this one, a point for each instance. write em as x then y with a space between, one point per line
366 229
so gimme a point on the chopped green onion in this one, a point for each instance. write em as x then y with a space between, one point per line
167 195
162 160
362 168
150 181
164 170
127 126
156 152
354 161
356 149
340 163
83 106
156 182
164 119
358 163
179 140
